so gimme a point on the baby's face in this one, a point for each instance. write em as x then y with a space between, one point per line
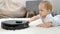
42 10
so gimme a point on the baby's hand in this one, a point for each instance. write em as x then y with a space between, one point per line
41 25
29 20
44 25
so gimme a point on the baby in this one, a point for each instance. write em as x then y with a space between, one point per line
45 9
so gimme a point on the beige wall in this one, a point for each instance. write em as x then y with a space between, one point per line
55 5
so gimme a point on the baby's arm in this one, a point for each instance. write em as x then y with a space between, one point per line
33 18
49 24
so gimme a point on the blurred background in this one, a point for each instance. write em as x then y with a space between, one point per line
24 8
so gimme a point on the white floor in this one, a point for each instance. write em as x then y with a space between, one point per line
31 30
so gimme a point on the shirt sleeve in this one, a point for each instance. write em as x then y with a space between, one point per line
38 16
49 18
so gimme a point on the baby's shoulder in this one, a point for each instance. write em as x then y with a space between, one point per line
49 16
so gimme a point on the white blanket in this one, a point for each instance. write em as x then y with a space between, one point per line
57 20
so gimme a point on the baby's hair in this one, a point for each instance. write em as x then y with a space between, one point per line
47 4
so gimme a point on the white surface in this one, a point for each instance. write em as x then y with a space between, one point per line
35 23
31 30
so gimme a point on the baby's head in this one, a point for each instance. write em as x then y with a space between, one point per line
45 8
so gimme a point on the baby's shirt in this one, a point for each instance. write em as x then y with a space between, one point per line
49 18
56 20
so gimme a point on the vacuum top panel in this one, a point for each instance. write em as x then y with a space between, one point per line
14 22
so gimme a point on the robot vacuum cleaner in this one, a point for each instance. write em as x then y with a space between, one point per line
14 24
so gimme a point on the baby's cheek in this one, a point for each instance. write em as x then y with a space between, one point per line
43 13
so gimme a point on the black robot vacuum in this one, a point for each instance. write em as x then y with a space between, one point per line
14 24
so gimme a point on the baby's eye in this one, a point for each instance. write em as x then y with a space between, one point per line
41 10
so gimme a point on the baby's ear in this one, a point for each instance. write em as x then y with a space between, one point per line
49 11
